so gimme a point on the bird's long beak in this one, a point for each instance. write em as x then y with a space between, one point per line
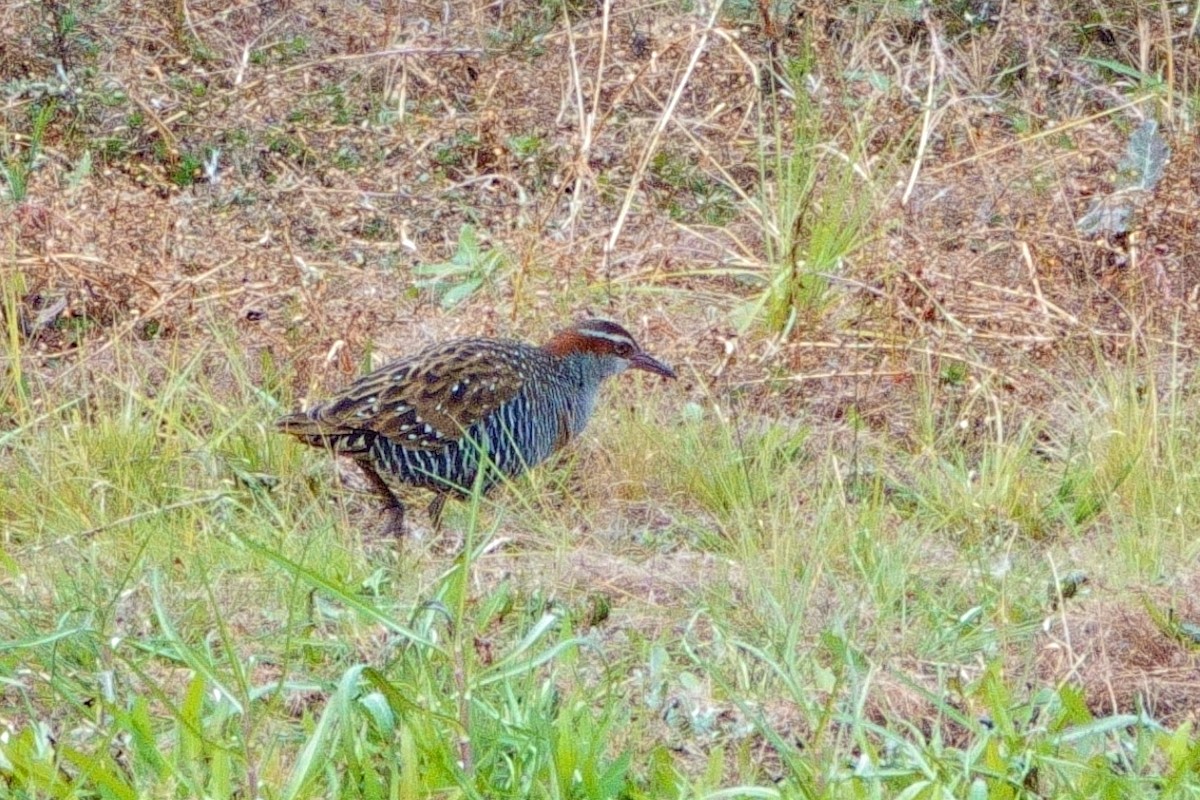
651 364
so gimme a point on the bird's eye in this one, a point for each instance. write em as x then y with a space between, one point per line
624 350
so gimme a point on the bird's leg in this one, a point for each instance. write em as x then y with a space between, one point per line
393 509
436 505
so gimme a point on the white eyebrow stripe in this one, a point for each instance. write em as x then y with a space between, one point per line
616 338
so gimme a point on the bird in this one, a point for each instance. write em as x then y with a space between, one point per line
434 419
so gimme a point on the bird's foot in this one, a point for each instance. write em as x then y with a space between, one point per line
393 521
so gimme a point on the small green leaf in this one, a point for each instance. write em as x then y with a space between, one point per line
456 294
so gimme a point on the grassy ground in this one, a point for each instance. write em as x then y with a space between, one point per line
917 520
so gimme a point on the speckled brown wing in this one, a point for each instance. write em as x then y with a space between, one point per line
424 401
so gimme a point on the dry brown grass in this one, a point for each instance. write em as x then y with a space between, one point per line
1113 649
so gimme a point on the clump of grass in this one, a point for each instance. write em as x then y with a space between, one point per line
814 209
18 162
187 170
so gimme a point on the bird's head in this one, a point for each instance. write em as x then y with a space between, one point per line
611 346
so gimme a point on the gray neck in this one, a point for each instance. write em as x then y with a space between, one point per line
587 372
